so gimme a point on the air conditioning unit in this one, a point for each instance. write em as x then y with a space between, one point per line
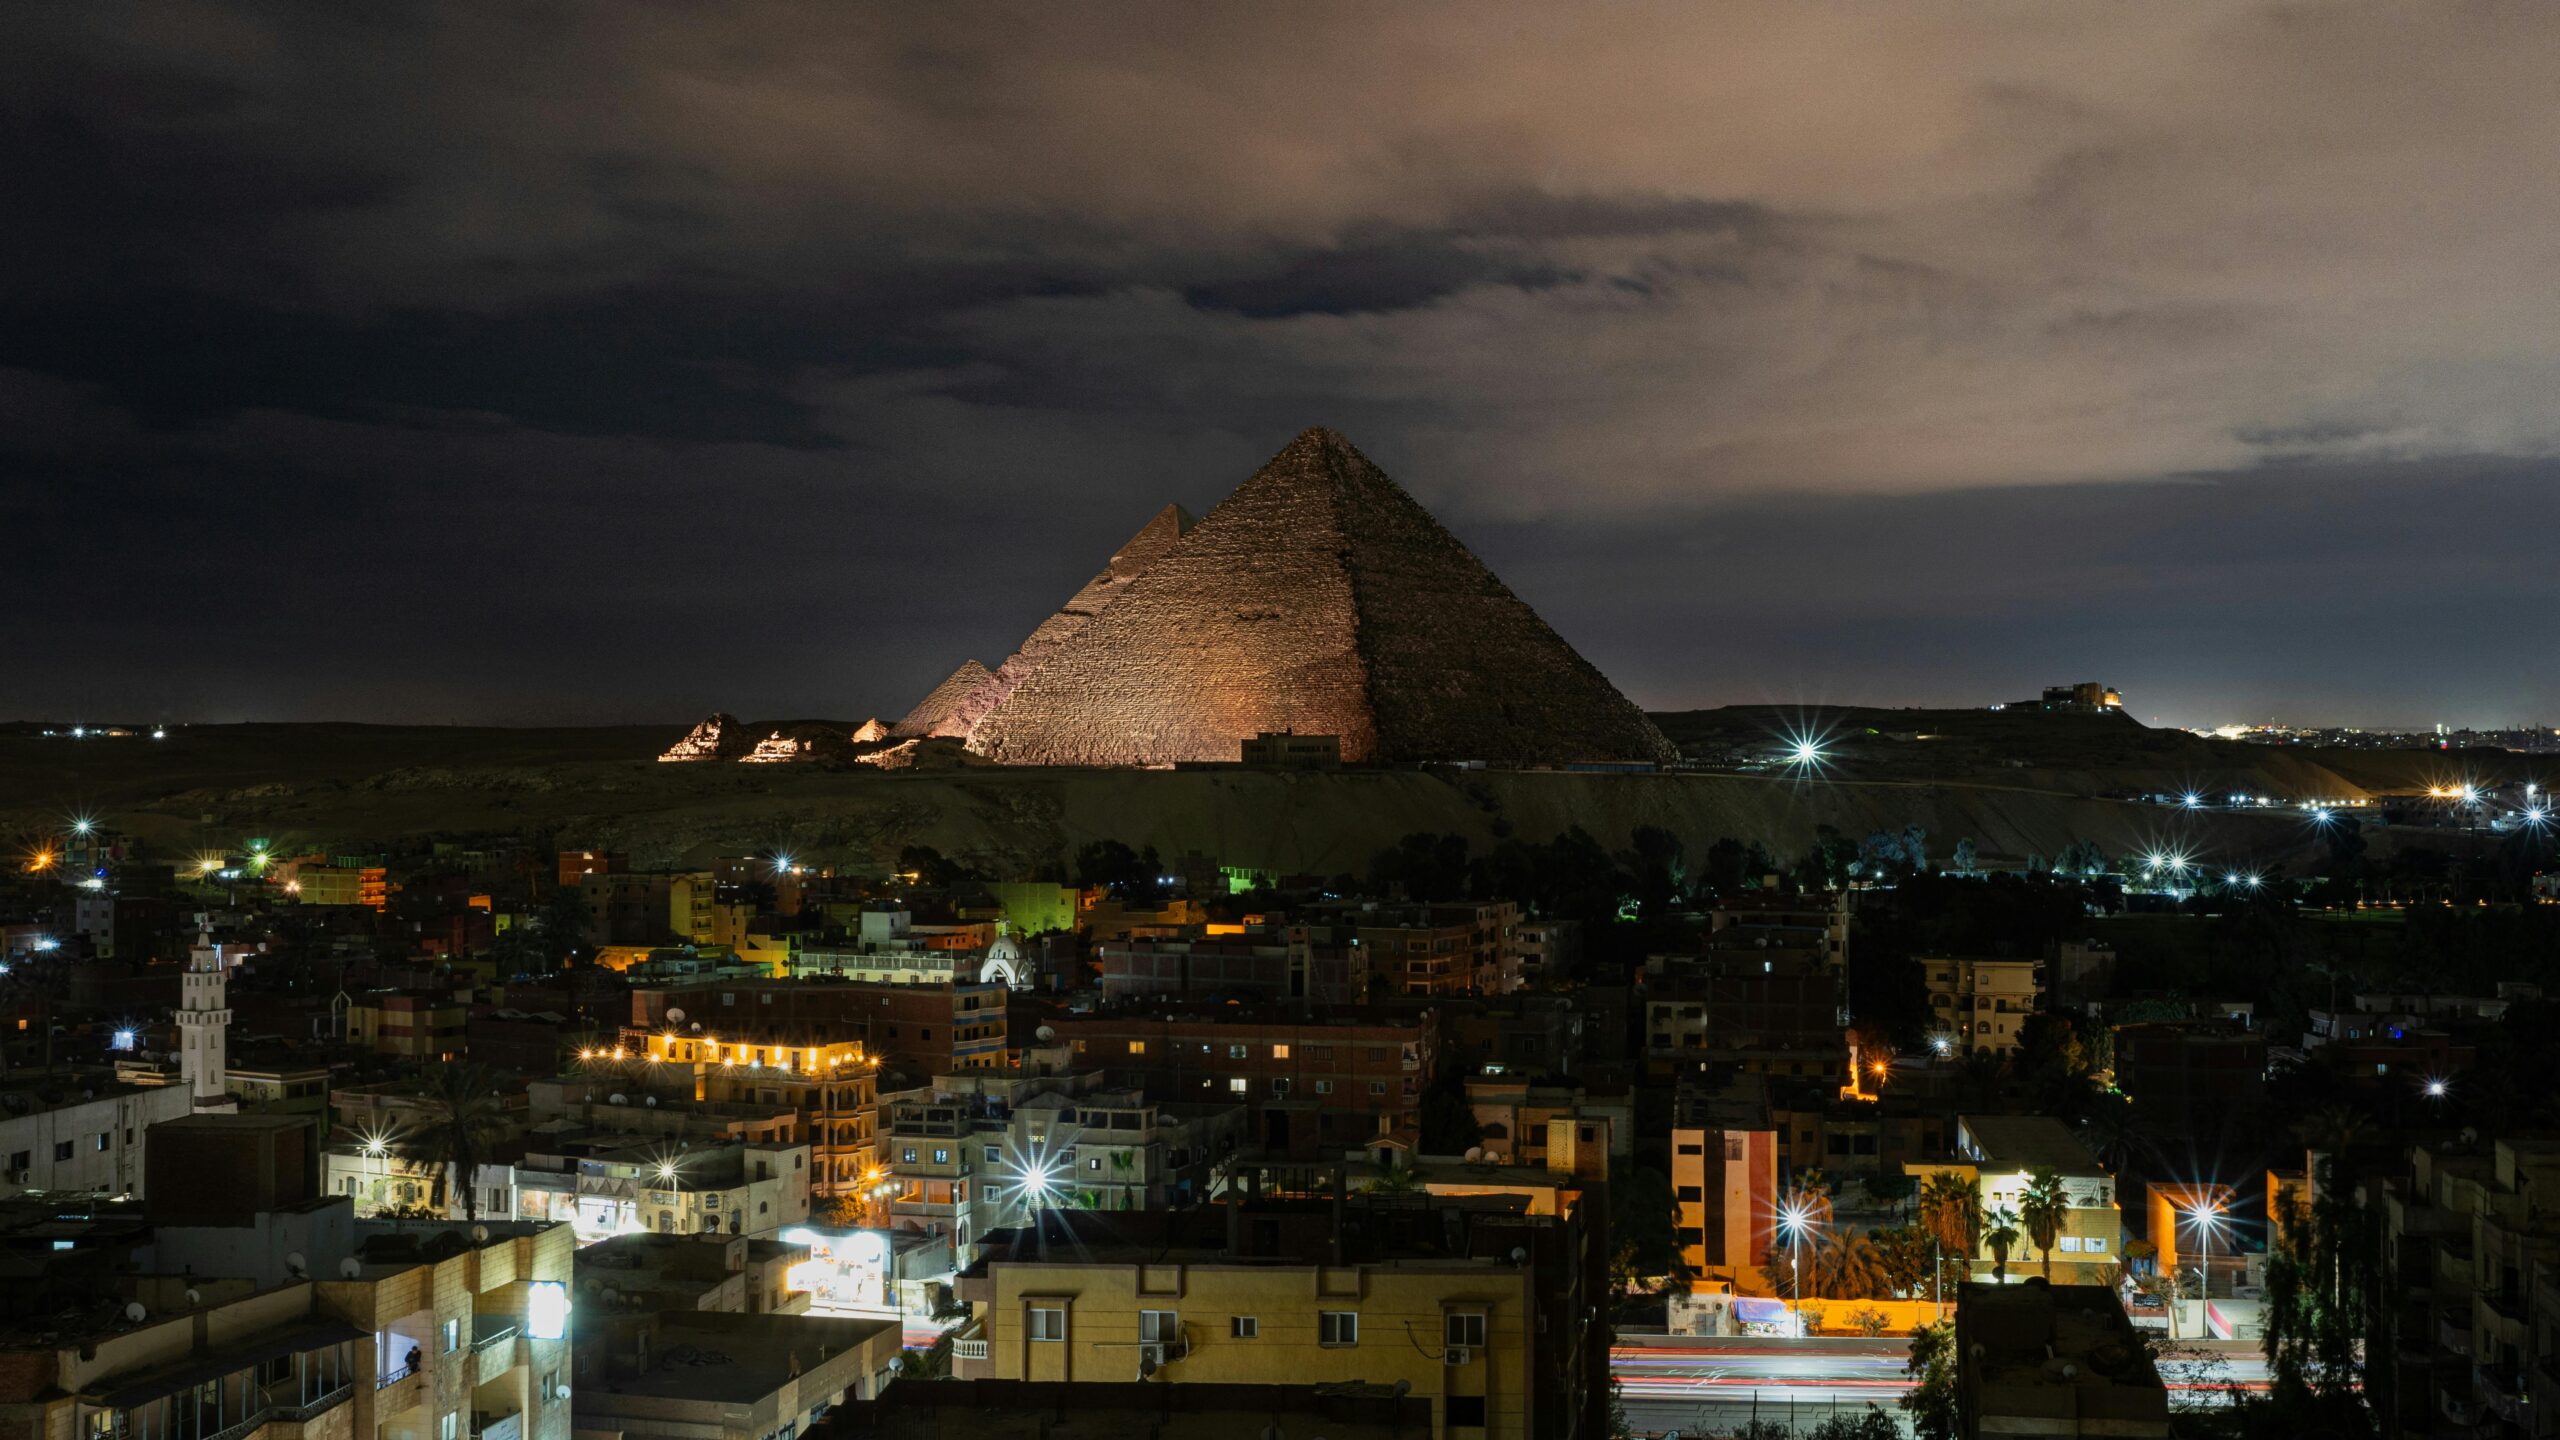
1150 1360
1459 1355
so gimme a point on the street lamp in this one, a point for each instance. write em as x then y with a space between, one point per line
1795 1220
2207 1217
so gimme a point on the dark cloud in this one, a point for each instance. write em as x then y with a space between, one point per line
477 361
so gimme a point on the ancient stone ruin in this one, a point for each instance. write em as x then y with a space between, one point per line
718 738
1319 598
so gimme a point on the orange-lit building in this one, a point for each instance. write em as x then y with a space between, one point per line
834 1084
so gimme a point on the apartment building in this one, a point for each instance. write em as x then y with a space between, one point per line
1550 1127
1724 1182
1979 1003
833 1085
80 1133
727 1274
979 1150
921 1029
2001 1152
425 1025
601 1186
2059 1360
1470 1301
2470 1241
1314 1086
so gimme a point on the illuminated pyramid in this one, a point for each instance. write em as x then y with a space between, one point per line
1318 598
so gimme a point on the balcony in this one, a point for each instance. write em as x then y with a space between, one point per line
969 1349
485 1426
2454 1334
2500 1388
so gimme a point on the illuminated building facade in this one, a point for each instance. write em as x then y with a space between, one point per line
832 1084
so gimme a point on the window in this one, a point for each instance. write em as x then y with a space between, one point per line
20 1159
1236 1052
61 1149
1337 1327
1237 1084
941 1157
994 1155
1279 1052
2095 1245
1095 1163
449 1425
1687 1192
1465 1327
1467 1410
1159 1327
1324 1087
1137 1047
909 1155
1377 1087
105 1138
1048 1322
452 1338
728 998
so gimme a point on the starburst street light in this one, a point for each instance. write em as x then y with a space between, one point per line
2207 1218
2437 1087
1796 1220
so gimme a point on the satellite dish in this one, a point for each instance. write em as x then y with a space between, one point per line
297 1262
134 1311
1046 1033
1403 1388
676 1014
695 1027
1519 1256
480 1234
351 1267
194 1296
648 1099
617 1098
561 1391
1475 1154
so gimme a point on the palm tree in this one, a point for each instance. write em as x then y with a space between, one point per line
2000 1237
1852 1267
2044 1207
2114 1131
465 1117
1951 1211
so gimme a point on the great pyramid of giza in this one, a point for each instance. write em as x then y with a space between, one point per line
1319 598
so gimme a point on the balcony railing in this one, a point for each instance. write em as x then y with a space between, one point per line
315 1405
390 1378
483 1340
299 1411
969 1349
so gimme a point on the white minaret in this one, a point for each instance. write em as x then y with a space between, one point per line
204 1026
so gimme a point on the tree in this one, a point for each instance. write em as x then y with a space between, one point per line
466 1117
2001 1237
1931 1400
931 869
1967 858
1659 865
1868 1424
1643 1221
1113 866
565 921
1851 1267
2043 1208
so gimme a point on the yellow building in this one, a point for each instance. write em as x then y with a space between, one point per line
474 1343
324 1358
2001 1152
1978 1003
1493 1331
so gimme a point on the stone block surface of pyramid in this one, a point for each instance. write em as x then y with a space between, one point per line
1319 598
934 714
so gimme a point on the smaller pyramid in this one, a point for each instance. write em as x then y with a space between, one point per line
1127 565
870 732
934 714
718 738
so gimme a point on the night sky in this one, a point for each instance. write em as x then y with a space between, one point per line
583 363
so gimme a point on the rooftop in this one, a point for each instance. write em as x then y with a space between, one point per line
735 1359
2023 1142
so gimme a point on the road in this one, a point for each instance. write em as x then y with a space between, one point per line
1712 1386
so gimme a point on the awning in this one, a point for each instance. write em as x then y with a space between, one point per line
196 1370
